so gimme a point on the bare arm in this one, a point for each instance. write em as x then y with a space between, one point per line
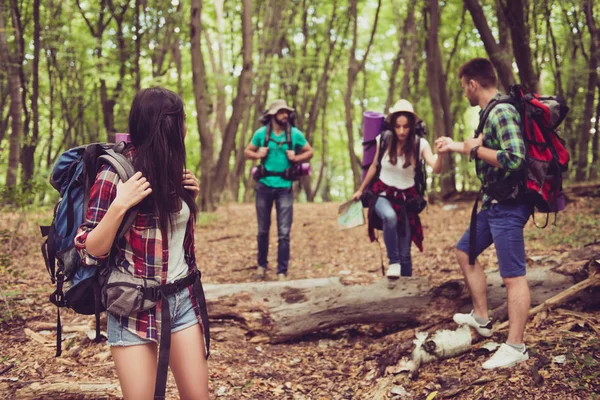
434 162
255 153
100 239
306 153
369 177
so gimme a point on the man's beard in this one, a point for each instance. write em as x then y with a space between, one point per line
282 124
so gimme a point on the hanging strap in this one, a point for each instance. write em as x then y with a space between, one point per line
473 232
164 350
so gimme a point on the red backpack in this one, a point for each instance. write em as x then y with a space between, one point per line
547 157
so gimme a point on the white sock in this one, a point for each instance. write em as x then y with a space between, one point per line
519 347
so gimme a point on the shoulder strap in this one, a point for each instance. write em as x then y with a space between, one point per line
488 109
384 137
288 136
125 170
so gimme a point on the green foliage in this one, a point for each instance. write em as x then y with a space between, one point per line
77 62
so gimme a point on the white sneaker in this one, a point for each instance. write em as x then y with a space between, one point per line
393 271
506 357
469 319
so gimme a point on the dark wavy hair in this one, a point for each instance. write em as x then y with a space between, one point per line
409 148
157 129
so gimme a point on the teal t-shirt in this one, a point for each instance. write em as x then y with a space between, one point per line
276 160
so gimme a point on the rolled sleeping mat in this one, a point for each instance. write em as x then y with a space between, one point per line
372 124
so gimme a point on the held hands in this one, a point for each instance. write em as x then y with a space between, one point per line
444 144
190 182
291 155
132 192
262 152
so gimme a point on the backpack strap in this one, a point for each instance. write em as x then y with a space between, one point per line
125 170
488 109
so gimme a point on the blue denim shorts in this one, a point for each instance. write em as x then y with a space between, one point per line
182 316
502 225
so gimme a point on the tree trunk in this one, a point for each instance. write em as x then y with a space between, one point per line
498 56
281 311
514 11
200 95
28 151
442 117
595 145
405 33
588 112
138 47
10 65
240 103
354 67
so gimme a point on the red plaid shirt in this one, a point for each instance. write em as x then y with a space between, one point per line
397 199
141 252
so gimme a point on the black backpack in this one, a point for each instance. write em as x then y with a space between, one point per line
74 173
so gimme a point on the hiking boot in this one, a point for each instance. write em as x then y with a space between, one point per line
469 319
261 272
393 271
282 277
506 357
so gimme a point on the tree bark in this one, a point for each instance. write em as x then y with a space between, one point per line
514 11
595 145
588 112
354 67
282 311
240 103
405 33
436 82
501 60
28 151
9 64
201 97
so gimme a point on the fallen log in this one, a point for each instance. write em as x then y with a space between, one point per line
67 390
282 311
562 297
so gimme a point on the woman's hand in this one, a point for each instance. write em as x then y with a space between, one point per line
132 192
356 196
190 182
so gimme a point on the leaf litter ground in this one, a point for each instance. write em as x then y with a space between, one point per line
338 364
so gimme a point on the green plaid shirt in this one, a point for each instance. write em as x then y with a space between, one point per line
501 132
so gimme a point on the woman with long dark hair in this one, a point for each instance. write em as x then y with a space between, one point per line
158 250
392 192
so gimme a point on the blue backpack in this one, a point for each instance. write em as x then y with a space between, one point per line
73 176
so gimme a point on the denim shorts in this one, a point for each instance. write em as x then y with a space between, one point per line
502 225
182 316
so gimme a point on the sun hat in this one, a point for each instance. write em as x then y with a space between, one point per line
402 105
278 105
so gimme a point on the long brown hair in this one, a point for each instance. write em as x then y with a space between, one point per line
156 125
409 147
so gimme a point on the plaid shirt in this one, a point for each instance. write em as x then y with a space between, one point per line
141 252
501 132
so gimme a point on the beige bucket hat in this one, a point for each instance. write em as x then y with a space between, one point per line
402 105
277 105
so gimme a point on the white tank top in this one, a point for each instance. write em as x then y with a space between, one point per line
396 175
178 267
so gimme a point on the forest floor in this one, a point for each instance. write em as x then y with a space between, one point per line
336 364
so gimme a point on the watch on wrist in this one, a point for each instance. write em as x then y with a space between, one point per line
474 153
